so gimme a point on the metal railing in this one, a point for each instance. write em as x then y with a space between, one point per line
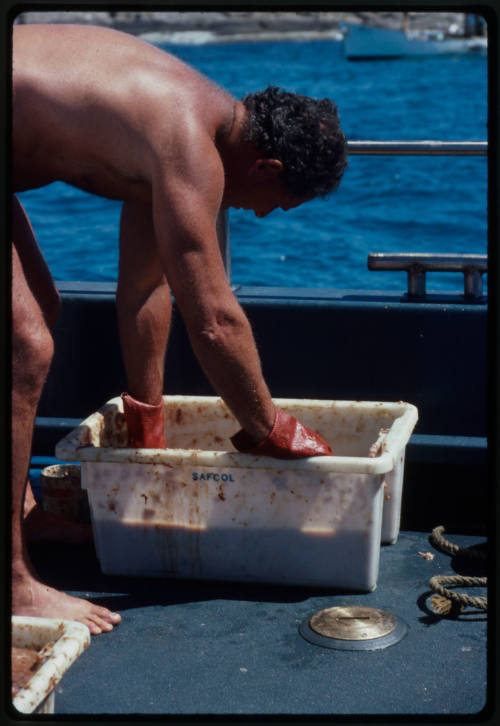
418 148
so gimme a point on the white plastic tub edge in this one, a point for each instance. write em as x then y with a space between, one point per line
63 642
75 445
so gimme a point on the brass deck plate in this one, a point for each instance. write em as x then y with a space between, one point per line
353 623
353 627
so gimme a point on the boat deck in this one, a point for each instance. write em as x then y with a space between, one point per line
187 647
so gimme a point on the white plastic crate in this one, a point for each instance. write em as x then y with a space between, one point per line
199 509
60 643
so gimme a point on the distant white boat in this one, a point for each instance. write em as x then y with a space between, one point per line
362 42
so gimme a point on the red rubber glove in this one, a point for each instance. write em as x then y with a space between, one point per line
145 424
289 439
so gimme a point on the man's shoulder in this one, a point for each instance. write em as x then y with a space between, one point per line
181 123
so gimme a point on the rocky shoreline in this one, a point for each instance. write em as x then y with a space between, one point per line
217 26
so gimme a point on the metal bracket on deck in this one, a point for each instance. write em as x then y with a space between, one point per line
416 265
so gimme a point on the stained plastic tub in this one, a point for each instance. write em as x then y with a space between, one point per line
200 509
60 643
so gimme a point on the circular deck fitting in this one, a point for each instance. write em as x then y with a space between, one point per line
353 627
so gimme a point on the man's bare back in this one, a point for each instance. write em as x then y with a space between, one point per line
107 110
117 117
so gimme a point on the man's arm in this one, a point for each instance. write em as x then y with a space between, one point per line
185 207
143 303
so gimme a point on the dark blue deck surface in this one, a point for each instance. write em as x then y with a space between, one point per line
221 648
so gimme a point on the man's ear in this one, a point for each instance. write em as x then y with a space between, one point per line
264 169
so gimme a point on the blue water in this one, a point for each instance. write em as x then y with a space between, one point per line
384 204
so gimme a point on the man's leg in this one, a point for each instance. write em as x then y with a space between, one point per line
32 349
40 525
144 304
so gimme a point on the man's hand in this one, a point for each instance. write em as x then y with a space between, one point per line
288 439
145 424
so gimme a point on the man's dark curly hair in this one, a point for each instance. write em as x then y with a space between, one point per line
303 133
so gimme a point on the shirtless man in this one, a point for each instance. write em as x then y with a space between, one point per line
117 117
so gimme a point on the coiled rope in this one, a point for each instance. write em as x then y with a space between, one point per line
444 544
444 600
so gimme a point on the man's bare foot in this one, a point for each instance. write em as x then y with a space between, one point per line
42 526
31 597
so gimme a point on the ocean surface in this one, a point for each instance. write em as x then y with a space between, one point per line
384 204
